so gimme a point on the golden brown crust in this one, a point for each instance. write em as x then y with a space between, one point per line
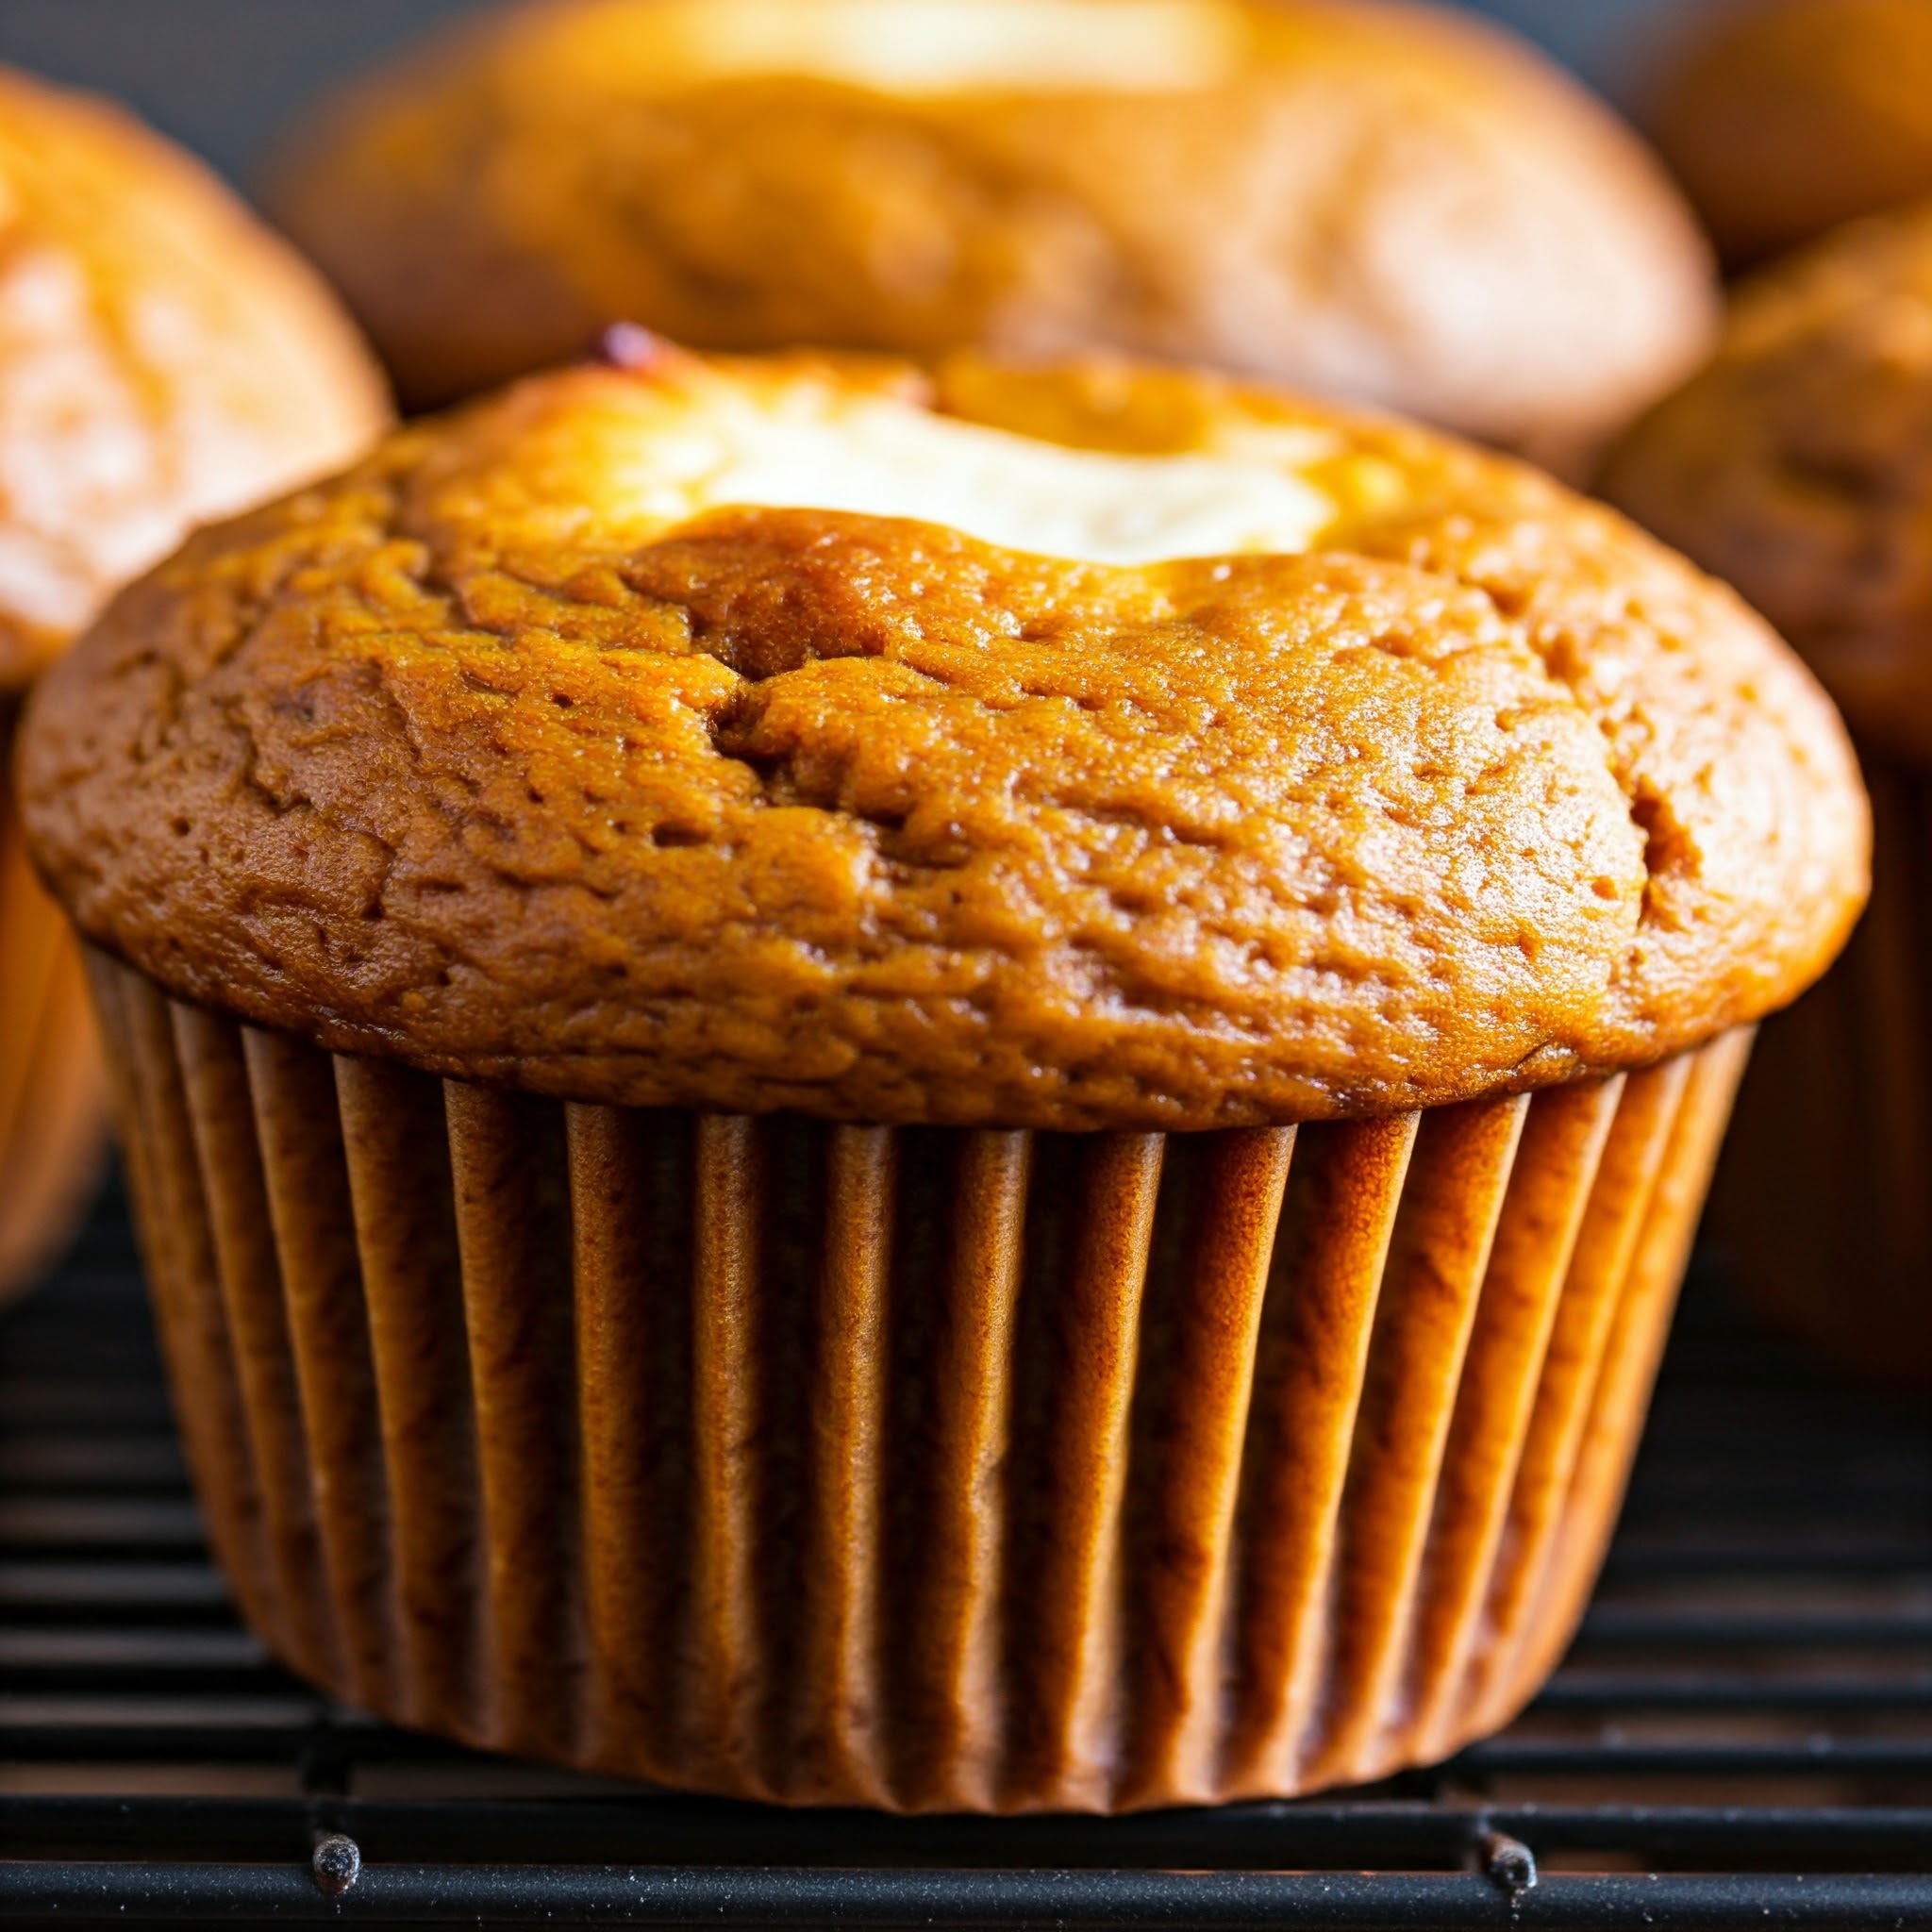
1783 121
467 759
1798 466
1377 201
164 360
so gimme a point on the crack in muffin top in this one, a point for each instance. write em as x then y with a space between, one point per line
1093 746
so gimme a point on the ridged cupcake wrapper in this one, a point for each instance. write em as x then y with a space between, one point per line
51 1124
907 1468
1824 1196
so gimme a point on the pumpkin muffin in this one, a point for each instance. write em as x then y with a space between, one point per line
1784 120
974 1090
162 360
1388 203
1799 466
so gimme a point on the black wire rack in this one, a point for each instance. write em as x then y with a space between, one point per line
1741 1737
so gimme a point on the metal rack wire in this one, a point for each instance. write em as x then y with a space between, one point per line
1742 1735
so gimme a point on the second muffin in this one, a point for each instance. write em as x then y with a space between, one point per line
973 1093
1785 118
164 360
1395 204
1799 466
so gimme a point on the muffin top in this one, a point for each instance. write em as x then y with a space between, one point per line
1384 202
1098 747
1798 466
164 360
1786 118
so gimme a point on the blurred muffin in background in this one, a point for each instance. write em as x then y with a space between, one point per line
1784 119
1799 466
1390 203
164 360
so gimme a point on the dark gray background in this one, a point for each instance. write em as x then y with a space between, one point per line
224 76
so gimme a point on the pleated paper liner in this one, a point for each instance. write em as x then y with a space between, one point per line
1824 1195
51 1126
907 1468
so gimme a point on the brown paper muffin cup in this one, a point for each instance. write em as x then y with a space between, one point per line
1824 1195
932 1469
51 1126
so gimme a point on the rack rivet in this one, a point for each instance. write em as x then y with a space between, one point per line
1507 1862
337 1863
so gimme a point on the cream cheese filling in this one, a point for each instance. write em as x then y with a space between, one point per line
957 46
810 448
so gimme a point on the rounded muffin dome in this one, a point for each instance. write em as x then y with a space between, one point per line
1098 747
1786 118
1381 201
164 360
1798 466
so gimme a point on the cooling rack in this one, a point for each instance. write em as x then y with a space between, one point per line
1741 1736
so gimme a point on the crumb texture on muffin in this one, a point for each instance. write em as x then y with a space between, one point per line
1388 203
1798 466
523 752
1783 120
164 360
